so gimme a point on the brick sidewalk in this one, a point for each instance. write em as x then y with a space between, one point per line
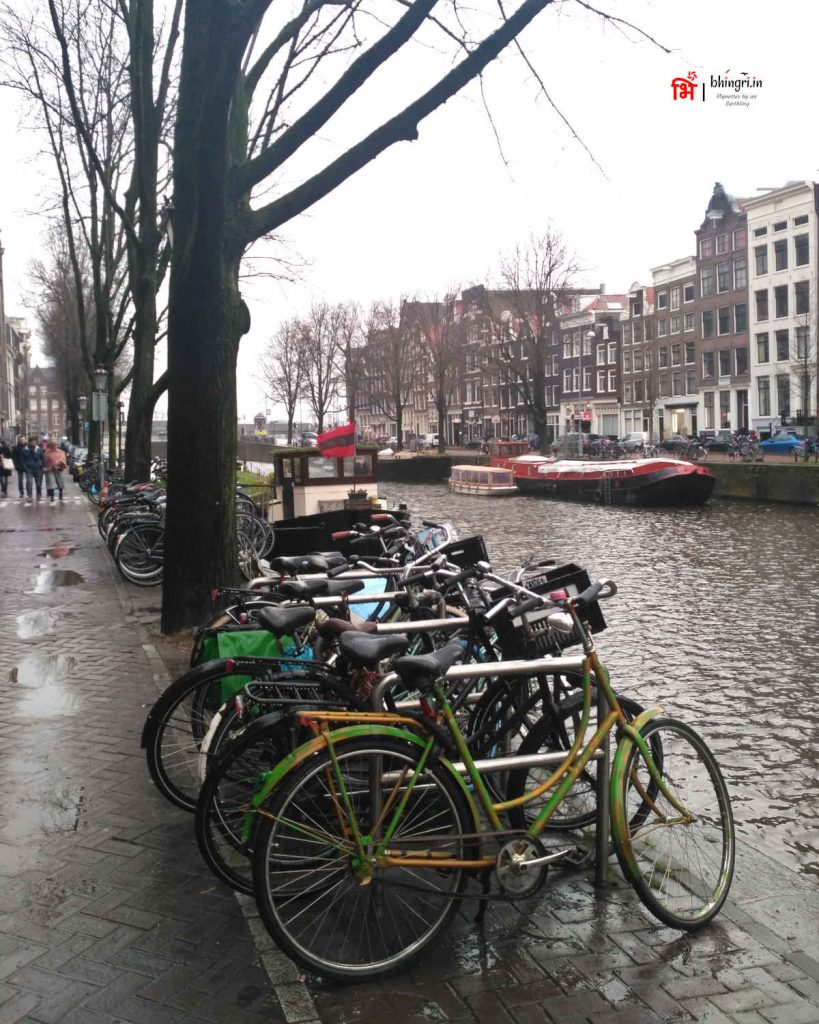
107 913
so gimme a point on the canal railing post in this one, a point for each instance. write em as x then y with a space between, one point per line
601 854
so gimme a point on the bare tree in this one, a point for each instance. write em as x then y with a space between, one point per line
803 371
441 343
391 364
351 349
99 76
249 101
282 369
534 284
61 328
322 345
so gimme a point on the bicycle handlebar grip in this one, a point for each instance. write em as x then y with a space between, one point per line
529 605
338 570
343 535
417 577
598 590
382 517
461 577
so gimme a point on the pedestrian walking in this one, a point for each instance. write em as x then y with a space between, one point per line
17 458
33 465
6 468
55 465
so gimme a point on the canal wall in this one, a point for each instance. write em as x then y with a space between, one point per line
790 483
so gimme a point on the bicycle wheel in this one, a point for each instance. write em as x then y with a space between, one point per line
578 809
323 909
231 781
680 860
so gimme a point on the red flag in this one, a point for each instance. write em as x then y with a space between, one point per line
337 443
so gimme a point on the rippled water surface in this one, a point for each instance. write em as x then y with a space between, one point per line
716 618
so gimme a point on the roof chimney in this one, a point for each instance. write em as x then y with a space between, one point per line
602 288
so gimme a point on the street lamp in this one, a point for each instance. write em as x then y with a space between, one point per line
121 433
99 409
82 402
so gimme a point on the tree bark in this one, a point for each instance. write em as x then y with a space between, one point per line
206 320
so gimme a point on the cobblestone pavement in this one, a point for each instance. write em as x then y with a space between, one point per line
107 914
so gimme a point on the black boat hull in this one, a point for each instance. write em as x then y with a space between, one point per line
662 488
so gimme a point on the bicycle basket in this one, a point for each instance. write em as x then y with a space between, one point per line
465 553
528 636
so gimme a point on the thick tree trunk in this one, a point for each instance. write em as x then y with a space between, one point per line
207 319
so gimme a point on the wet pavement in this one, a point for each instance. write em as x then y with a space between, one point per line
107 913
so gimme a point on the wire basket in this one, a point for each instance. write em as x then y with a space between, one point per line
528 636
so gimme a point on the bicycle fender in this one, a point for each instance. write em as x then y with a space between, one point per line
619 826
269 780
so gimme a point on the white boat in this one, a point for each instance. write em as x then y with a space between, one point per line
488 481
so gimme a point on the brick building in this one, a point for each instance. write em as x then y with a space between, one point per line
45 403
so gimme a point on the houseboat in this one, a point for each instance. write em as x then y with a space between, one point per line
644 482
487 481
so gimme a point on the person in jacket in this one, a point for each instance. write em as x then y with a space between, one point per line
33 465
17 459
55 465
5 453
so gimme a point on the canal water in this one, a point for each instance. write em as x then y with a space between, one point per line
716 618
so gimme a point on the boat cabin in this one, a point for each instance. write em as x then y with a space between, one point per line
491 481
507 449
309 483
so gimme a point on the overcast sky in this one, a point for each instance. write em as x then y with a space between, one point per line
436 213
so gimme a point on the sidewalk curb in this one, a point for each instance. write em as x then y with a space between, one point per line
288 985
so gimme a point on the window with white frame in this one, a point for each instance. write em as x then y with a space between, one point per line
690 349
676 382
759 232
587 344
761 299
612 383
662 300
601 355
627 361
662 328
639 391
708 364
675 297
763 395
761 259
691 382
676 355
708 323
706 248
724 362
741 317
741 273
722 243
675 323
724 320
708 281
638 359
763 351
723 277
781 254
688 322
740 361
781 300
740 238
783 394
587 378
724 409
802 350
662 358
567 346
601 380
575 378
801 297
801 250
708 408
688 292
628 393
612 352
783 345
780 225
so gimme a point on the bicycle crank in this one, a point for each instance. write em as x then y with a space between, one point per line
522 864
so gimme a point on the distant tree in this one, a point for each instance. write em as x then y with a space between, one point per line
62 331
532 289
323 338
352 358
282 370
442 347
391 363
803 370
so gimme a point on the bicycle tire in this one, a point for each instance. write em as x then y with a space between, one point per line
299 873
578 809
228 786
683 888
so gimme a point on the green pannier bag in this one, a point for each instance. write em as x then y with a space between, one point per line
235 643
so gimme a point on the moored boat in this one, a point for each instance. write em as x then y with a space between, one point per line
487 481
644 482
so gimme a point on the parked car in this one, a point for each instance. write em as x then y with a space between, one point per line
573 443
309 439
780 442
674 442
428 440
634 441
392 442
719 443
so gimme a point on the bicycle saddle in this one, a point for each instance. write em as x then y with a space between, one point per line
291 565
423 668
333 628
302 590
361 649
284 621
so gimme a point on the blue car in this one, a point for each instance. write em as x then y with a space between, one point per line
782 443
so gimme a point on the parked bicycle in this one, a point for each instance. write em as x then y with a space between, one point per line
365 836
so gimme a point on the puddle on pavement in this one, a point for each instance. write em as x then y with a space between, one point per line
50 812
33 624
48 580
43 679
58 550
